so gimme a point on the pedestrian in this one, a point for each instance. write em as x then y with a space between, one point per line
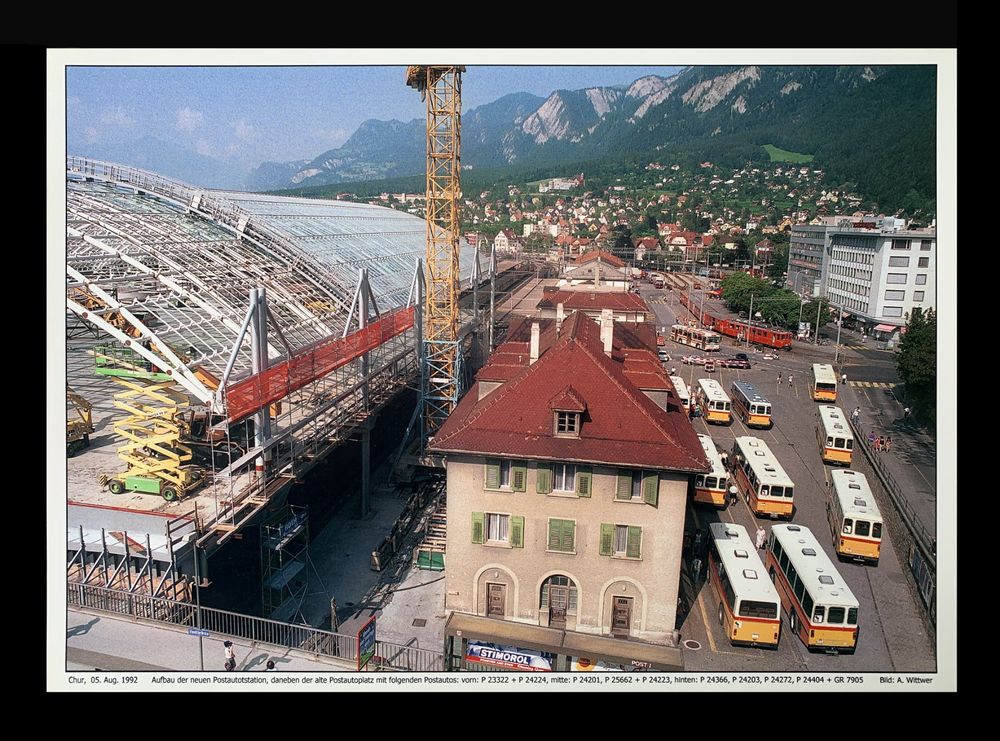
789 380
871 437
843 379
696 544
856 415
270 666
696 569
733 494
779 378
761 535
906 413
879 443
888 444
230 652
725 459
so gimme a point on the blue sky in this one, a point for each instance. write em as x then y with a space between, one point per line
246 115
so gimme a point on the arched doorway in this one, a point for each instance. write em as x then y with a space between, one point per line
558 598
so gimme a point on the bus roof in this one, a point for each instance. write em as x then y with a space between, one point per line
834 421
823 373
813 566
750 392
699 331
714 458
855 496
763 462
712 389
680 387
743 566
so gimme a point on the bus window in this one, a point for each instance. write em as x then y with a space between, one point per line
783 561
877 530
819 614
711 482
836 616
788 492
776 547
829 442
800 589
852 616
776 491
861 527
764 490
751 609
807 603
838 443
699 480
850 444
848 526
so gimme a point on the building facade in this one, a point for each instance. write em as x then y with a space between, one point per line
568 465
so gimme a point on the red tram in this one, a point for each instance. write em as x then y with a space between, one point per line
759 335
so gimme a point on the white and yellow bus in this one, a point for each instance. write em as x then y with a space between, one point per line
712 400
682 392
702 339
711 488
750 404
824 383
836 441
854 518
822 610
749 604
766 487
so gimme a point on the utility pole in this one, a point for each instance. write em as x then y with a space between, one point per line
749 319
816 334
840 321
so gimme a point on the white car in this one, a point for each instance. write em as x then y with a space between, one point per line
767 356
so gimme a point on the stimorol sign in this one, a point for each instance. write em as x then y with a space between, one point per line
508 657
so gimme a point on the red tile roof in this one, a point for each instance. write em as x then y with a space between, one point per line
568 400
593 301
604 255
621 427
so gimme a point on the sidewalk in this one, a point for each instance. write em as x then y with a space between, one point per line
109 643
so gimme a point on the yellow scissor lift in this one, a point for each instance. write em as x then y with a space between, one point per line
158 462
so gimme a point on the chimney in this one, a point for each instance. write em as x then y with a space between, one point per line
560 315
607 329
534 343
597 273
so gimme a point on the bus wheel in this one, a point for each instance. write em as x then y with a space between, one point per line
793 621
116 486
720 614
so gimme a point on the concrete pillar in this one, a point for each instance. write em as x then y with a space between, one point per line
607 329
560 316
533 355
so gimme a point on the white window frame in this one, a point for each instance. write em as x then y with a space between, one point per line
560 473
502 524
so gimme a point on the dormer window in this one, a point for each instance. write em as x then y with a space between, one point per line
568 424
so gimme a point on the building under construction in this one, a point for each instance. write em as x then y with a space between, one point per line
226 343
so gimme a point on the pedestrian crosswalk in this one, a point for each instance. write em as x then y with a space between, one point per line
658 300
871 384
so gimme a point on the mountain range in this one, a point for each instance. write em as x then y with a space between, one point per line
872 127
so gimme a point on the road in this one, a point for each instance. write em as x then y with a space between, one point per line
893 636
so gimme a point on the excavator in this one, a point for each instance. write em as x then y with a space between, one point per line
79 423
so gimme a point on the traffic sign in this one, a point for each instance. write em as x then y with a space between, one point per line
198 632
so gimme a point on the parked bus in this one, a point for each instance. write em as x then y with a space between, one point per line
854 518
836 441
824 383
822 610
682 392
753 408
713 402
763 482
749 604
711 488
702 339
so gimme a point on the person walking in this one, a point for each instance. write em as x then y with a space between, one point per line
270 666
871 438
761 536
906 413
733 494
789 380
230 653
843 379
779 378
696 569
879 443
888 444
856 415
696 543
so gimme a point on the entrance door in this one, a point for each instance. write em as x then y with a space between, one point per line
558 602
496 599
621 616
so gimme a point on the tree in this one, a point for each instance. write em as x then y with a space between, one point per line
916 363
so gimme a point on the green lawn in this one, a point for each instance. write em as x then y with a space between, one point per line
782 155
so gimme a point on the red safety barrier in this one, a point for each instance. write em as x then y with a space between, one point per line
312 362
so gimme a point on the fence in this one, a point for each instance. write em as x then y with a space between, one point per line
388 656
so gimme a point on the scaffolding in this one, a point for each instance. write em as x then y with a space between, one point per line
284 556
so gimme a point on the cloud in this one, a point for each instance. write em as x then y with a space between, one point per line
201 146
90 134
335 135
189 119
117 116
244 131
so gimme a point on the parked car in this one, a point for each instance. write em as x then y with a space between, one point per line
741 356
768 356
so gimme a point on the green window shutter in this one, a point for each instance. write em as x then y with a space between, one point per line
543 479
651 488
492 474
583 481
517 532
568 533
624 489
555 534
633 543
607 538
519 477
478 526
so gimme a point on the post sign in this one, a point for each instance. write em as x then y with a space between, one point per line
366 643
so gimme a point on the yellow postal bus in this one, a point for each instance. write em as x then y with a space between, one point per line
824 383
682 392
854 518
712 400
750 404
749 605
763 482
836 441
702 339
822 610
711 488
